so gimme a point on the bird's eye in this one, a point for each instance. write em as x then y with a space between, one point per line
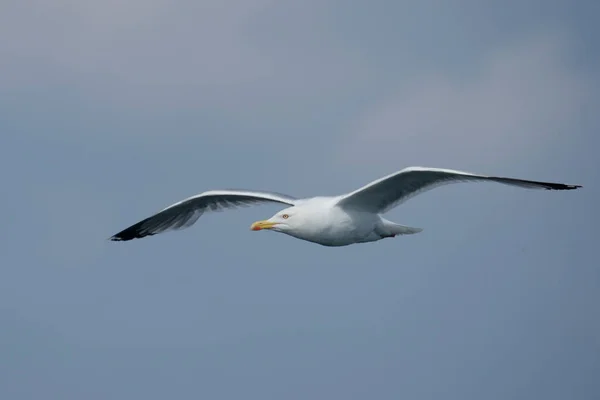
285 216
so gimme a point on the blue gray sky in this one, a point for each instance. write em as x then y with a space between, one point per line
112 110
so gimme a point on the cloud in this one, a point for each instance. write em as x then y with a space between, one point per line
161 53
523 100
154 41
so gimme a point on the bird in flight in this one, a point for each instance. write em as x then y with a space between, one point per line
354 217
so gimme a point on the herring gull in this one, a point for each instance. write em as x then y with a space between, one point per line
342 220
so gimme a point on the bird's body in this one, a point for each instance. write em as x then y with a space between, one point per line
328 224
333 221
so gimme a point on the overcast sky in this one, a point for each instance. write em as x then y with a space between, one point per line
112 110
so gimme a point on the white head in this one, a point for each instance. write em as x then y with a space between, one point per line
286 221
308 220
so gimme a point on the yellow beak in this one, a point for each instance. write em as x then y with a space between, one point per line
260 225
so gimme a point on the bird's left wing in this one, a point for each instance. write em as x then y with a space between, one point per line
388 192
186 212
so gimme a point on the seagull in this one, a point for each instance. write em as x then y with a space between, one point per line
332 221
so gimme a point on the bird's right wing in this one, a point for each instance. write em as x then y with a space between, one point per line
185 213
386 193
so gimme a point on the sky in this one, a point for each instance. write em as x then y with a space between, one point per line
112 110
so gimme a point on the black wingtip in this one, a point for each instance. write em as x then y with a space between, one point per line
562 186
536 184
119 238
126 236
133 232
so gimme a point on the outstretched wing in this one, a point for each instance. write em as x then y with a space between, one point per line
185 213
388 192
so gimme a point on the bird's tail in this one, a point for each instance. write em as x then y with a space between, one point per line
393 228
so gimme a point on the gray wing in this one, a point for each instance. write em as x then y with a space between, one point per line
185 213
388 192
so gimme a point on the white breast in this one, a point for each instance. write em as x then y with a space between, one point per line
326 224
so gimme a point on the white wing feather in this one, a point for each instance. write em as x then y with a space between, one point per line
186 212
390 191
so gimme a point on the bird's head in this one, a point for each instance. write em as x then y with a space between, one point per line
284 221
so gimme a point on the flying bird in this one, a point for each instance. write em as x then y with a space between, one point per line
354 217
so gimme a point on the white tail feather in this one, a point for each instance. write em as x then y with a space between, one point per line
392 228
